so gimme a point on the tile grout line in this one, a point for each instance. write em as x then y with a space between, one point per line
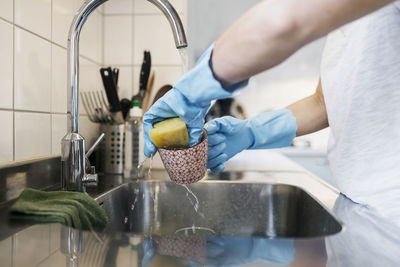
139 14
51 253
51 81
6 20
139 65
37 112
134 79
53 43
13 83
15 28
13 248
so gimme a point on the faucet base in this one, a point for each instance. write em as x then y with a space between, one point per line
72 162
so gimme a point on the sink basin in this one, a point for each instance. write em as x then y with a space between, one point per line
224 208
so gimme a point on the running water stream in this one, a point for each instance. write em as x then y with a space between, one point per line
196 200
196 204
185 67
185 59
142 167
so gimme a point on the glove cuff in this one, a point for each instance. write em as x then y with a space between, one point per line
273 250
273 129
202 75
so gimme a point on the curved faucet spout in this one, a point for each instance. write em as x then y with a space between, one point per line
73 61
73 168
174 20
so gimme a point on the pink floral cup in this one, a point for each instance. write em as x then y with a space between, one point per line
188 165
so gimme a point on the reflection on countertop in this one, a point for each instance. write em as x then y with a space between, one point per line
368 240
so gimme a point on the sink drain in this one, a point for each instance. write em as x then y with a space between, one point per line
195 230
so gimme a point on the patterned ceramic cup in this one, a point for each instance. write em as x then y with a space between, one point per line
188 165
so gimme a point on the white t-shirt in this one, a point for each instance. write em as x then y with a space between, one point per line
360 74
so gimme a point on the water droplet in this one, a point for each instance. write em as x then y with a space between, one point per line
150 167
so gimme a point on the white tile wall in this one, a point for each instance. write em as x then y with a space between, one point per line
150 31
153 32
145 7
118 40
32 135
32 72
146 28
63 13
119 7
36 237
34 16
58 130
33 68
90 79
92 38
6 252
6 9
56 259
6 64
55 230
58 79
89 130
6 136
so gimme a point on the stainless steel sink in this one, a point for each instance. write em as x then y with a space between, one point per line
225 208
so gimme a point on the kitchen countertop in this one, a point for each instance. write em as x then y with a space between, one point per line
367 240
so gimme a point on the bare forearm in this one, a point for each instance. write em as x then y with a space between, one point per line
310 113
273 30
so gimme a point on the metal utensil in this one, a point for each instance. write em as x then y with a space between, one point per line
96 107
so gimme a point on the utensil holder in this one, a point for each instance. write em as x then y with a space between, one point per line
113 148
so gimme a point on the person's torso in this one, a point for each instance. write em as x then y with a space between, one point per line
360 75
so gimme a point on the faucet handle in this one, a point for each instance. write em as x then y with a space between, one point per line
90 151
90 179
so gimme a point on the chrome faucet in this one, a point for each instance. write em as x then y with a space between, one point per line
74 164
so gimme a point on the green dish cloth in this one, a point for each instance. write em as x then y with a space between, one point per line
73 209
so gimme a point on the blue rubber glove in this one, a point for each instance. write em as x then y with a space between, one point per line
189 99
233 251
148 251
228 136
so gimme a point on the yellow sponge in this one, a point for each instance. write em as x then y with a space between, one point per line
170 133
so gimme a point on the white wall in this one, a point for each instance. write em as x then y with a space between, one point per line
290 81
33 66
132 26
33 74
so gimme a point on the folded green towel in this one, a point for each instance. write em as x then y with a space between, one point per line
73 209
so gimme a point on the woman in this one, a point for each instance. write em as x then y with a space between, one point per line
358 94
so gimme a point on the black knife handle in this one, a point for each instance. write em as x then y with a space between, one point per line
111 89
145 70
